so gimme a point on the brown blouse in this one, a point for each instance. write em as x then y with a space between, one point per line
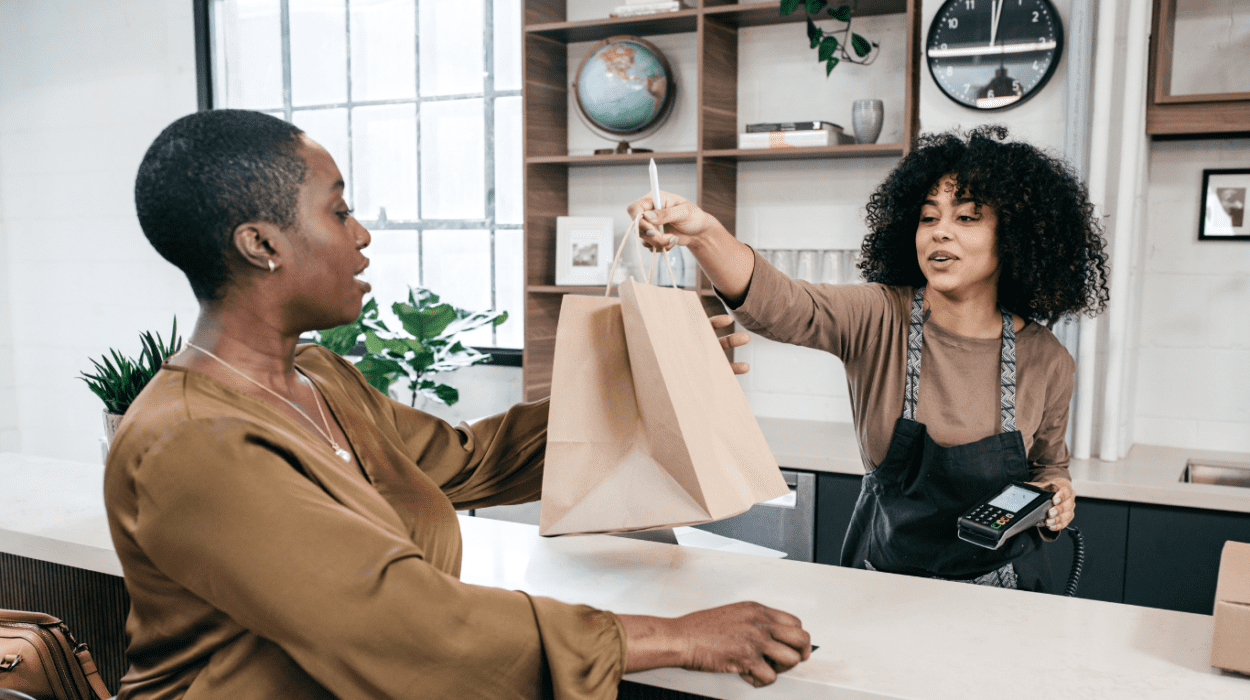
260 565
865 325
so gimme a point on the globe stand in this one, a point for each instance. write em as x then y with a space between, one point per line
622 147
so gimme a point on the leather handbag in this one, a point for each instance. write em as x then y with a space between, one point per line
39 657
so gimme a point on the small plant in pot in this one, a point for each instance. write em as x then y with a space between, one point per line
118 379
427 345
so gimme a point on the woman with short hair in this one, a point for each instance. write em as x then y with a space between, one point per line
288 531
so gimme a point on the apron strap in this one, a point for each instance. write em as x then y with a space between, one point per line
1006 365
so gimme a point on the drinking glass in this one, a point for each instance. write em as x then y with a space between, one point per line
783 260
831 267
806 269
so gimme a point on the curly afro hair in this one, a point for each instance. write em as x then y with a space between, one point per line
1050 242
206 174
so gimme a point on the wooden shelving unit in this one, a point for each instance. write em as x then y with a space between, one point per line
714 25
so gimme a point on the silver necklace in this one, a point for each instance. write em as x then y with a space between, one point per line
342 453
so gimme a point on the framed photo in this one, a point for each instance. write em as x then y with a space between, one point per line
583 250
1223 216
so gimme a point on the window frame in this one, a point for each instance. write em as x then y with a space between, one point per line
205 98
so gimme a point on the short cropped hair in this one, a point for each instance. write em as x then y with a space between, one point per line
206 174
1050 242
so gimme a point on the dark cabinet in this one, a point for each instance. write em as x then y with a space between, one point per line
835 501
1104 527
1174 555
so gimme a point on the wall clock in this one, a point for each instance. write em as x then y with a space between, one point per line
993 54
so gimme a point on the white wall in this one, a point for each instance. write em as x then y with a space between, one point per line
86 87
1194 343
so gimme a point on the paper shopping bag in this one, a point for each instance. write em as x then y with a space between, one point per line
648 427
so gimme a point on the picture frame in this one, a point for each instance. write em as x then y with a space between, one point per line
1222 208
583 250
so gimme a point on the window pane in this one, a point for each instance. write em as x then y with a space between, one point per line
507 44
318 51
384 50
452 47
453 160
328 127
394 266
508 172
384 152
457 268
250 53
509 287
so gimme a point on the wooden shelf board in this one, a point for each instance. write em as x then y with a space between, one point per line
856 150
570 289
618 158
679 22
759 14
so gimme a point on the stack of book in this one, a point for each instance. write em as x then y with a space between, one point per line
633 8
793 135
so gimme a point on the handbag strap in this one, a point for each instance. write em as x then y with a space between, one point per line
91 672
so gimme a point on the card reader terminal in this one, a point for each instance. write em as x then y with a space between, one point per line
1010 511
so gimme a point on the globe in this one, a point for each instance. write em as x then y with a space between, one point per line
624 85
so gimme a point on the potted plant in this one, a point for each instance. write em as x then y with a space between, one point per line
829 49
428 344
118 379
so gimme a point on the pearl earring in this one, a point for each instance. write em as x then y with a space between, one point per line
272 267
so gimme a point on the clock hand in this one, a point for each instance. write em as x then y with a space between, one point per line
992 50
996 11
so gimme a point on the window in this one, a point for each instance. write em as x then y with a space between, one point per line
419 102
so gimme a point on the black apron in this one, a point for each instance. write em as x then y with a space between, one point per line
905 519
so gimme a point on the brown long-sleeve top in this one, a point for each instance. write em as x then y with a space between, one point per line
865 325
260 565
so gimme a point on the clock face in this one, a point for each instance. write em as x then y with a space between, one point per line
993 54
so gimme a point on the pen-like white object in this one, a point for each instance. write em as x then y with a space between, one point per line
655 189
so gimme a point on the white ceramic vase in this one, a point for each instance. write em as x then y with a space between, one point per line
866 118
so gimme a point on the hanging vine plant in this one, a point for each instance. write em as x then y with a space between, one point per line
835 46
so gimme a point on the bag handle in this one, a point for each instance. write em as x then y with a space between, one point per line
633 232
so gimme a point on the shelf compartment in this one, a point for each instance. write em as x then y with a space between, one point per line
680 22
618 158
759 14
856 150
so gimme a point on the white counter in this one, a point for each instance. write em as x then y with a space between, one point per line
1149 474
880 635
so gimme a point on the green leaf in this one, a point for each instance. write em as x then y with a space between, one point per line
830 65
379 372
815 6
788 6
813 32
340 339
425 323
827 46
861 45
445 394
842 13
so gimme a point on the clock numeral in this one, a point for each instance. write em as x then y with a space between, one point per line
970 4
1035 66
967 87
942 46
1035 14
1015 86
949 71
953 22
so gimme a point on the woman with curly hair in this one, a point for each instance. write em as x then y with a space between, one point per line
957 388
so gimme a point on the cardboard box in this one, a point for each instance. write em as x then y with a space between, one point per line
1230 646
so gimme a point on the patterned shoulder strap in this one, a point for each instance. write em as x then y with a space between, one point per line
915 342
1007 370
1006 365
